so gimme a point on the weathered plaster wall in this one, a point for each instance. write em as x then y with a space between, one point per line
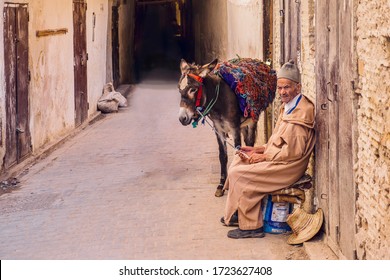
51 90
51 66
226 28
373 156
210 28
245 28
96 48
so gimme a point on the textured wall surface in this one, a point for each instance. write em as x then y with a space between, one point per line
372 168
51 89
210 28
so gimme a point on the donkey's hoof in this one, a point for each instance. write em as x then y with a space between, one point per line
219 192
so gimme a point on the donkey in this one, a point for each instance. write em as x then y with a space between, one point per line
199 87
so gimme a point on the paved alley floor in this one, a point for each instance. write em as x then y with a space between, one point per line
133 185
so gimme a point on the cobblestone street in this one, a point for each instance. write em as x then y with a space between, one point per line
133 185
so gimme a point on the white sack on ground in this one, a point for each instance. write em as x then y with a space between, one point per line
111 100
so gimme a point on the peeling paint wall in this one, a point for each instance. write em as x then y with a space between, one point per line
51 90
97 29
51 64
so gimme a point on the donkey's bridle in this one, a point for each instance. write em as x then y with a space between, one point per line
200 89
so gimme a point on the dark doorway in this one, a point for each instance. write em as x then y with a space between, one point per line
162 35
80 61
18 138
115 46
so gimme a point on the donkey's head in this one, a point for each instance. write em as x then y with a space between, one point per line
191 89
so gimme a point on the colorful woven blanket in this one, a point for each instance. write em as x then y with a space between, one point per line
253 81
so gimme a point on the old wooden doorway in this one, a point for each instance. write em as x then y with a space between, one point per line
115 45
18 137
80 61
334 163
290 31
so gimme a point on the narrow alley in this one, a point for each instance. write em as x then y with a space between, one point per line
133 185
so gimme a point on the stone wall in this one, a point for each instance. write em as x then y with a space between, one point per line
372 168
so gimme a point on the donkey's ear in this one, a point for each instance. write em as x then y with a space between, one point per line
207 68
184 66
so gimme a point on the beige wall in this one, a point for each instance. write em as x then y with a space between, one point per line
373 155
51 65
210 28
245 28
226 28
96 48
51 90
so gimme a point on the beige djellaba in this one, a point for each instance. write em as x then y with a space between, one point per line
287 155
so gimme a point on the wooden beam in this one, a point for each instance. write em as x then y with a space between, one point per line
51 32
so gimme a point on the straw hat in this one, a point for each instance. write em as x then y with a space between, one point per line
304 225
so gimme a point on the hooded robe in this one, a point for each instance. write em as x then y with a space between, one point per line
287 155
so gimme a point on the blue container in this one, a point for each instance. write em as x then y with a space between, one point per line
275 215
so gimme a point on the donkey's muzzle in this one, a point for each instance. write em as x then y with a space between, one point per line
185 120
185 117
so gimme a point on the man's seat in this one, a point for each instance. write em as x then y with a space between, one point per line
294 193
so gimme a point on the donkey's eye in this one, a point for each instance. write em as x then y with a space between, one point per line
192 91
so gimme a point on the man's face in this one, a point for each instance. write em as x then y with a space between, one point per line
288 89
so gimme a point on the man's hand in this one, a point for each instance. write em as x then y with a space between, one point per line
251 150
255 158
243 155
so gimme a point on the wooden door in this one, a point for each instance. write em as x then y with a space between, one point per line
18 137
80 61
292 32
115 46
334 167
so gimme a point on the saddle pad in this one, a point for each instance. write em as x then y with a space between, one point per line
253 81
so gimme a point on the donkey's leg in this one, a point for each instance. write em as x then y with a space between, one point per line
223 159
237 136
250 132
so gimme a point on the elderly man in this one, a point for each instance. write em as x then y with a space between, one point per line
257 171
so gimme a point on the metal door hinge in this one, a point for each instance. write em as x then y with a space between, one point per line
337 234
